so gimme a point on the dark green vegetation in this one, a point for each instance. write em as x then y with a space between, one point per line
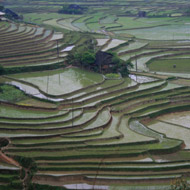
104 63
11 94
112 76
72 9
74 129
82 59
180 184
46 187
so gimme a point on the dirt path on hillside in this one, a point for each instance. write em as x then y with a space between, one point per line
8 160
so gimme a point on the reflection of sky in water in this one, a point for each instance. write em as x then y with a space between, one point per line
84 186
63 81
181 118
162 33
32 91
141 79
47 33
183 75
69 48
141 62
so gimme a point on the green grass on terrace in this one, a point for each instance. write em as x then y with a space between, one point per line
170 65
39 18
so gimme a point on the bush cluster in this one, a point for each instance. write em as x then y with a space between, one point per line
112 76
11 94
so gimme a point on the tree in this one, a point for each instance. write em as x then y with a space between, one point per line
120 65
1 7
88 58
187 11
82 59
74 58
2 70
71 9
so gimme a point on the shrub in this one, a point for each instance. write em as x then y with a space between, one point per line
112 76
1 70
27 163
16 184
120 65
72 9
1 7
3 142
180 184
84 59
11 93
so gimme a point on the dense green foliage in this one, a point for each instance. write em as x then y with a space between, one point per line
187 11
3 142
1 70
83 59
1 7
71 9
86 59
27 163
120 65
29 168
44 187
11 94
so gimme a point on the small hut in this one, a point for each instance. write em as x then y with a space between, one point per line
142 14
104 61
12 14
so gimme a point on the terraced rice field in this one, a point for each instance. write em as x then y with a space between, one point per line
171 65
100 133
24 45
59 82
114 43
171 32
131 37
80 130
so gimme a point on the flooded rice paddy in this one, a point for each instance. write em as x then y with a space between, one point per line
61 81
